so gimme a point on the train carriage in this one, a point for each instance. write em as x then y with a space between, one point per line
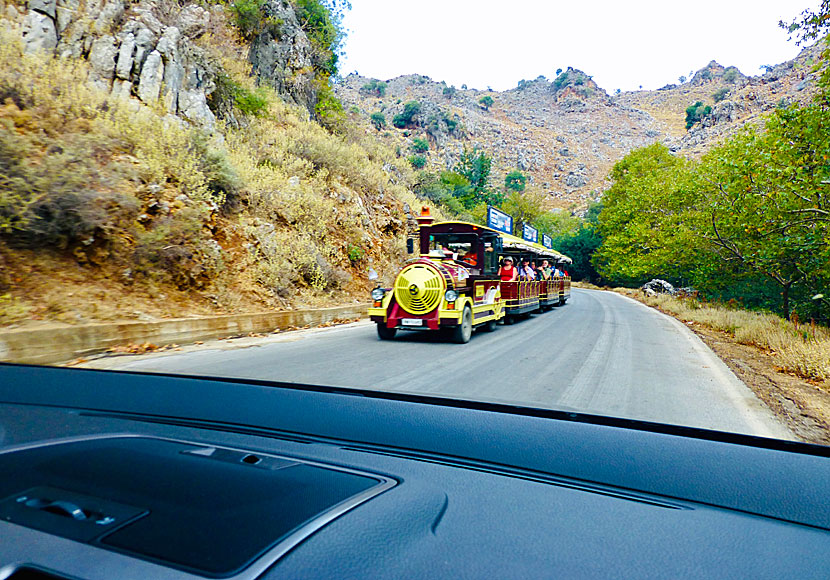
454 284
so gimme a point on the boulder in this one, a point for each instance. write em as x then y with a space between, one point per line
48 7
657 286
102 57
124 65
39 32
193 20
152 73
66 11
109 15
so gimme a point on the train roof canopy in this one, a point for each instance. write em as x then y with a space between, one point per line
510 242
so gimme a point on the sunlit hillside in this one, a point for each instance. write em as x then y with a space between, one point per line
125 195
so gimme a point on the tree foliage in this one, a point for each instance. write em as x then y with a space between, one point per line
754 210
374 87
515 181
695 113
486 101
475 166
407 117
420 145
378 119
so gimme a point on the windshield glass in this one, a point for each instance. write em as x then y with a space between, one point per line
556 207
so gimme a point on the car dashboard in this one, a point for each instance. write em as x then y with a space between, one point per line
134 476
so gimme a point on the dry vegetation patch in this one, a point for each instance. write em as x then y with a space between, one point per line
112 209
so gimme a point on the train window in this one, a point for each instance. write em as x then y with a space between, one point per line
491 256
460 246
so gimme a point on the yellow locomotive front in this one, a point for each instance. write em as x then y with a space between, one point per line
452 286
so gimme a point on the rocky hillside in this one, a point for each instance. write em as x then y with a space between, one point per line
566 134
160 159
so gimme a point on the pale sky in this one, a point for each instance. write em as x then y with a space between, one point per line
622 44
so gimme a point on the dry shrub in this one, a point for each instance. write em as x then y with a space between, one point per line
177 250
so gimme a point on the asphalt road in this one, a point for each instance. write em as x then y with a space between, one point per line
601 353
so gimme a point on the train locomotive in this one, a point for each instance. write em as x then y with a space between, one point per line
454 286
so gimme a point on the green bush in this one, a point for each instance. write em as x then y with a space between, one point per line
355 254
417 161
321 21
251 102
175 250
329 109
420 145
695 113
451 123
378 119
450 91
247 16
486 102
406 118
230 95
720 94
515 180
374 87
730 75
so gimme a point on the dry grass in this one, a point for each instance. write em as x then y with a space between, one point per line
801 349
306 213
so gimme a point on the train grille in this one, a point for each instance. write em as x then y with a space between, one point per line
419 289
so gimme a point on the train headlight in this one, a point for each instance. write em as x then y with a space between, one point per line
377 294
450 295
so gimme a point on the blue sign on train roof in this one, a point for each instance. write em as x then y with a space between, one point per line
498 220
547 241
530 233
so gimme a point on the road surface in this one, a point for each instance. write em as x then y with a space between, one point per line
602 353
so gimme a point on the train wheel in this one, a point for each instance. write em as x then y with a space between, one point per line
385 333
490 325
464 331
561 300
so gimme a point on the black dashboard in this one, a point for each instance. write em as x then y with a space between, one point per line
127 475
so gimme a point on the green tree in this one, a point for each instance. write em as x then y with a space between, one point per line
475 166
719 95
529 207
374 87
407 117
378 119
420 145
765 199
695 113
580 244
321 20
449 92
515 181
486 101
730 75
647 221
417 161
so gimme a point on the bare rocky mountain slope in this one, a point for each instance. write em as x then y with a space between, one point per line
566 134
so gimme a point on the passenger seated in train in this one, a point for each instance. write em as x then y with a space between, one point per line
508 272
545 270
525 271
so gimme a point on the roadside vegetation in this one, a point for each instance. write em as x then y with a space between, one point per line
749 221
269 210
